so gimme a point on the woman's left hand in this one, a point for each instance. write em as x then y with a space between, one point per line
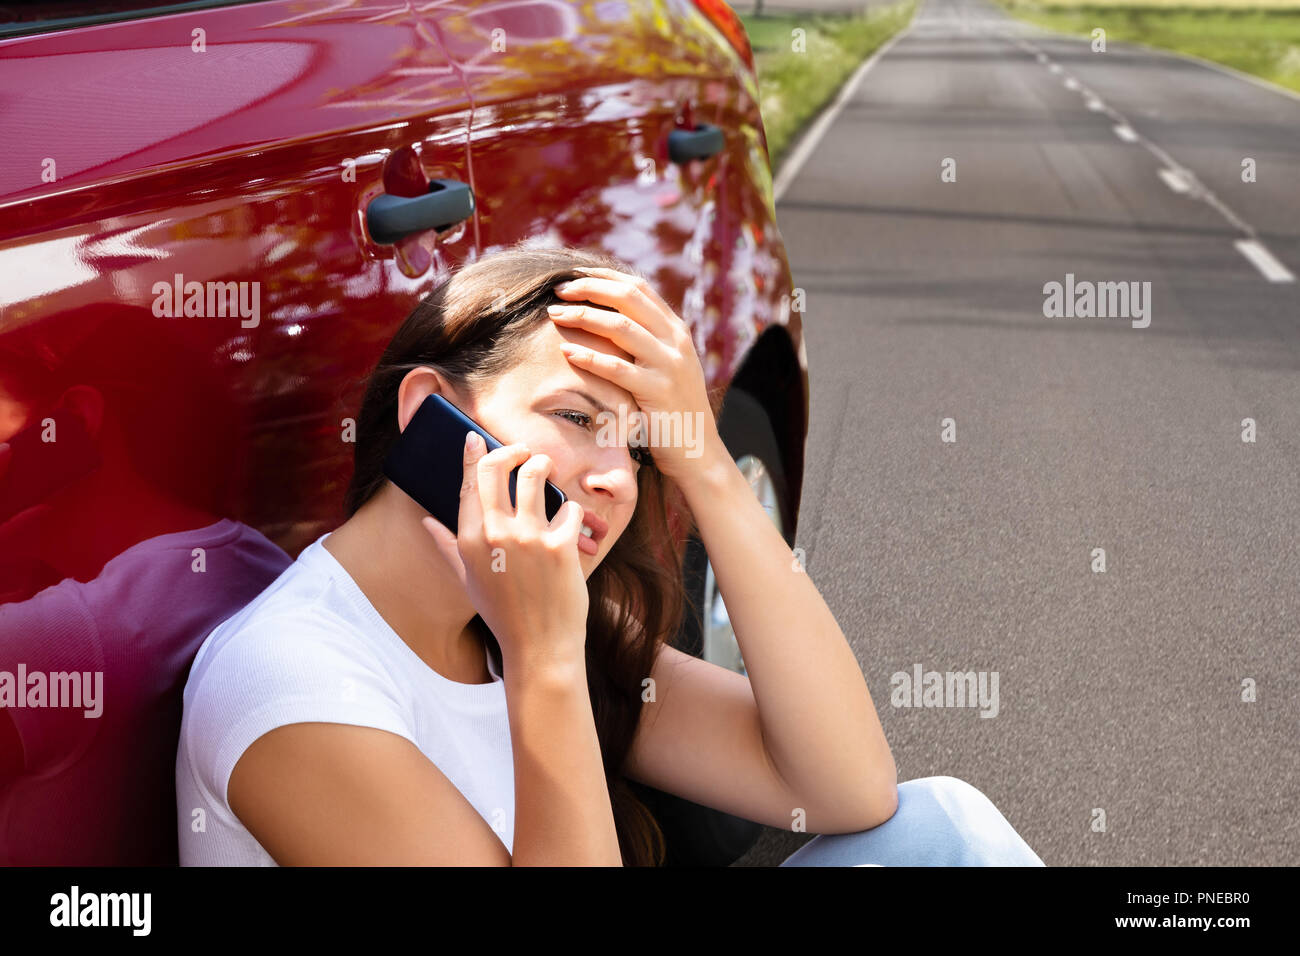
665 377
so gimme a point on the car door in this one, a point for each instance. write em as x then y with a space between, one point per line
207 180
591 126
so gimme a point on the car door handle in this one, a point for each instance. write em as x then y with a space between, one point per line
447 202
700 143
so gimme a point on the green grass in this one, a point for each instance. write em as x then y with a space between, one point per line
794 86
1261 38
1168 4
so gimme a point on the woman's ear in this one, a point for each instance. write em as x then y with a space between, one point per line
417 385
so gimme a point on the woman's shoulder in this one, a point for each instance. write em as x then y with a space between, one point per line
282 648
300 637
300 613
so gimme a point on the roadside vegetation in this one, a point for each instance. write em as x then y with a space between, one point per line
1260 37
800 73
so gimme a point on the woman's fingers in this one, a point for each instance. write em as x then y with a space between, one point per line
529 493
631 337
469 518
650 291
627 298
494 484
570 523
629 377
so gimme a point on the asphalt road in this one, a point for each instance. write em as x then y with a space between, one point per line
1118 691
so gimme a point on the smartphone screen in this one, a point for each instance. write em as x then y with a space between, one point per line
427 461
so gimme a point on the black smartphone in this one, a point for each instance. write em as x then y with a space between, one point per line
37 468
428 461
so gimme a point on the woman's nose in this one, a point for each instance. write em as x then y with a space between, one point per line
618 481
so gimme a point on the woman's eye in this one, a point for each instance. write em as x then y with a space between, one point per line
583 418
639 455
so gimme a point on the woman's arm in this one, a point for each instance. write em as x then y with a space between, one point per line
820 727
563 815
538 613
327 794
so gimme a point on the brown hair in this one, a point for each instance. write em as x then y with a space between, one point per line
473 327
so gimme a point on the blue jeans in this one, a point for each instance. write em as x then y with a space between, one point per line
940 821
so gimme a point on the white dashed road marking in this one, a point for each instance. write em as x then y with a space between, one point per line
1263 260
1175 180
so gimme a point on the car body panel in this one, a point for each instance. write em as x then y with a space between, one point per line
233 165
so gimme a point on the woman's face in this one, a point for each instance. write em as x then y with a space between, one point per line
540 403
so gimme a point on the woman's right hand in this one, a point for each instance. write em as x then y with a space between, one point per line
522 573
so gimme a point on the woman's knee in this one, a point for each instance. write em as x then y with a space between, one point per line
962 826
940 821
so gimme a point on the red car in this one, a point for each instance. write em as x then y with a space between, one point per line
214 215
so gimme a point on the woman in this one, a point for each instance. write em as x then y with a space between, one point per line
401 695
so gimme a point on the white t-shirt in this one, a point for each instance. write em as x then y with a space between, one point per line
311 647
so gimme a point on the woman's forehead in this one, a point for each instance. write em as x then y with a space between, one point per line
548 368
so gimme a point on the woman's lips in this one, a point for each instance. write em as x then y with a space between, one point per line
598 525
